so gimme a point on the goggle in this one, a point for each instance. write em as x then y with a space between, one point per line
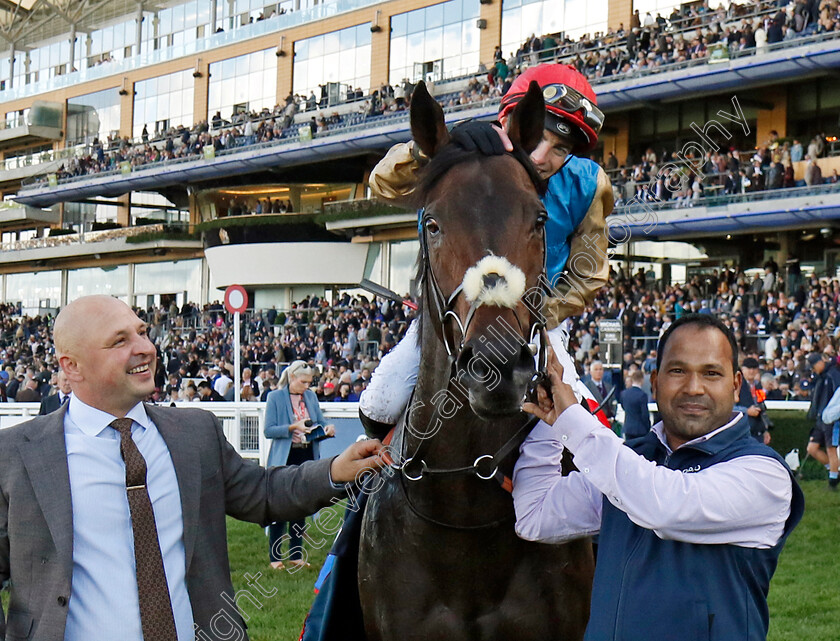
571 101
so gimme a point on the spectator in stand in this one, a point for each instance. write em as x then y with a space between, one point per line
60 397
207 393
813 173
29 392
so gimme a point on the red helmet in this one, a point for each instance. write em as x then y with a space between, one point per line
570 103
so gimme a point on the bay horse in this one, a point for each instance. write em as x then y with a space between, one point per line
439 557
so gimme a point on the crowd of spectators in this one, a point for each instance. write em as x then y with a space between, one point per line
693 32
244 128
195 349
778 316
722 172
645 45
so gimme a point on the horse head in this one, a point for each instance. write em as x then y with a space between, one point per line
482 251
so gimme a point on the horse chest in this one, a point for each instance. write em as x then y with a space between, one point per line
421 581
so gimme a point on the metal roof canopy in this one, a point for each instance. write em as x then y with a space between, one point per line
25 23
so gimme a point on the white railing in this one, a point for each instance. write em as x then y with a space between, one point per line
242 424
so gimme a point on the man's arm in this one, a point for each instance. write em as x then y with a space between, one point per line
395 176
743 502
832 410
551 508
264 495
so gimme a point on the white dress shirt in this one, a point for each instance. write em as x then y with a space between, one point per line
103 602
743 502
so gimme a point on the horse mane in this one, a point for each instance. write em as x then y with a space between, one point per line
440 164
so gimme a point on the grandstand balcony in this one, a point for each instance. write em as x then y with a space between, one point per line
358 134
776 63
14 216
797 208
40 124
105 247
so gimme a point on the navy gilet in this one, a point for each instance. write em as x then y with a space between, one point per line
650 589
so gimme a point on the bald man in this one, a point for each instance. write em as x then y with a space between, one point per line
112 512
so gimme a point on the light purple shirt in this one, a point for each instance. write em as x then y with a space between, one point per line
743 502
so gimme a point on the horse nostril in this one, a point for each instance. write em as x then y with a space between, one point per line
491 280
464 357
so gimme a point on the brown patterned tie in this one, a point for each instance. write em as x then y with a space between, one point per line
156 616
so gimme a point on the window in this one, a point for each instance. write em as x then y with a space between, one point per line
249 80
522 19
335 60
165 100
441 41
94 115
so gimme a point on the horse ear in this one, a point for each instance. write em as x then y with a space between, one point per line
428 127
527 119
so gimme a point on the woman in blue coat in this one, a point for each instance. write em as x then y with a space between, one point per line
287 410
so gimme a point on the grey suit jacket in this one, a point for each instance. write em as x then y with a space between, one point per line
36 522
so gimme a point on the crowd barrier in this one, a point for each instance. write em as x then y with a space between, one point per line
242 424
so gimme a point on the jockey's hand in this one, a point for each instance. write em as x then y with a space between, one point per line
548 408
485 137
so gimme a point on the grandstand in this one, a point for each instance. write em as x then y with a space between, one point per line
160 151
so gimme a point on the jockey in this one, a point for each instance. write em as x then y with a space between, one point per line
578 199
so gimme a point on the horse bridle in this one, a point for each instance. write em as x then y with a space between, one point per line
445 308
486 466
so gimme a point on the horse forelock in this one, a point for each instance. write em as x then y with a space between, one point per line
448 158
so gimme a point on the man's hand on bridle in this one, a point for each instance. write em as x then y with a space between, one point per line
549 407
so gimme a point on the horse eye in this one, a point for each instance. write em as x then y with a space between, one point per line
541 220
432 227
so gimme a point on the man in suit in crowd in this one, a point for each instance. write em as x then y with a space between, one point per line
634 400
599 386
140 552
28 392
207 393
52 402
749 402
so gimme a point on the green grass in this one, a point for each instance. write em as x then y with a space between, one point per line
281 617
804 595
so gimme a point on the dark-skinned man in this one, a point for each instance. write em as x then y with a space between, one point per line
692 517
